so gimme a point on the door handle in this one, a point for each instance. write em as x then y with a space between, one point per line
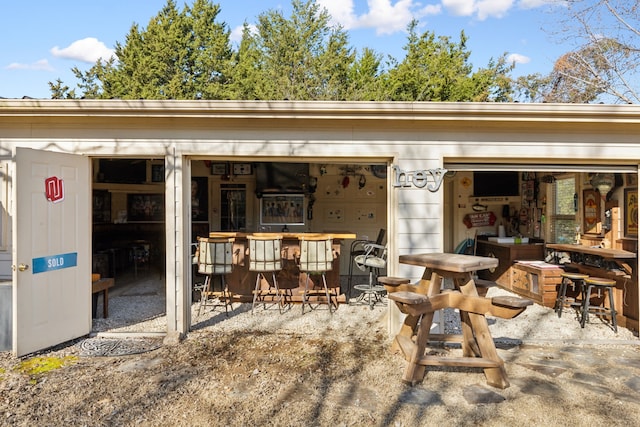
23 267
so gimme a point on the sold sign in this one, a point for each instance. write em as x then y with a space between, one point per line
54 189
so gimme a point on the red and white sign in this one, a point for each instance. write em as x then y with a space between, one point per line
479 219
54 189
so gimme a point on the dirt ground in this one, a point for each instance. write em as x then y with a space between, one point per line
316 369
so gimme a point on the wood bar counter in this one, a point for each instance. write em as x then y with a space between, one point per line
609 263
241 281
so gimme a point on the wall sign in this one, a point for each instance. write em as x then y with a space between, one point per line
591 203
479 219
430 178
54 189
631 212
54 262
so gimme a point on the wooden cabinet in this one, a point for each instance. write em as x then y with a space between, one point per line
507 254
538 282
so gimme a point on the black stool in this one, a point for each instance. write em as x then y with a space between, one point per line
601 285
575 279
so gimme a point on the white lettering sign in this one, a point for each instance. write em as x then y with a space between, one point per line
419 178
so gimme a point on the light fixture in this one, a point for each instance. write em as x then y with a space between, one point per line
603 182
362 182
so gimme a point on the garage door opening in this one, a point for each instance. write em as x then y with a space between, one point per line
580 218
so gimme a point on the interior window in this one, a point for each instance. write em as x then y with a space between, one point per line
563 225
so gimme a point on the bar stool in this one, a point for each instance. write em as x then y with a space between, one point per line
601 285
316 258
357 248
374 259
575 279
215 258
265 256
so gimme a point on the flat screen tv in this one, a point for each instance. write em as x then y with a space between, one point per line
122 171
496 184
281 177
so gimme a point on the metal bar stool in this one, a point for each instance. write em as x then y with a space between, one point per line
316 258
265 256
575 280
356 249
601 285
215 258
374 259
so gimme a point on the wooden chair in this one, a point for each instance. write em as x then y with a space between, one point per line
215 258
316 258
265 256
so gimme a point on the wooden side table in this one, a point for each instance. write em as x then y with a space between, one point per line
101 286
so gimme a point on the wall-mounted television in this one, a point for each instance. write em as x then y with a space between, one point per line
122 171
281 177
496 184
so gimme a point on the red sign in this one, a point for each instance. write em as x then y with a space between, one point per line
479 219
54 189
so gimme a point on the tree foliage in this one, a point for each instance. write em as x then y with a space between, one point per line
187 54
604 62
438 69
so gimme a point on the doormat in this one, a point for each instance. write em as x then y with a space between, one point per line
117 347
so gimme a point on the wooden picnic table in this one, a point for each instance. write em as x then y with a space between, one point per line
420 302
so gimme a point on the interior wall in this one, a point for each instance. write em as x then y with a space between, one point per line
460 197
348 198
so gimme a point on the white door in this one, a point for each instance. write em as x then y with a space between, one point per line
51 249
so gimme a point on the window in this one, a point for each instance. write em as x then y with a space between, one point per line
563 225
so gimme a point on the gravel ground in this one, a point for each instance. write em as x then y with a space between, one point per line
141 309
315 368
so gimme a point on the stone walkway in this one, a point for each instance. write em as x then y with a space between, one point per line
611 371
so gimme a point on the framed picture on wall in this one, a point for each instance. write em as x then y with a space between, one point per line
101 206
199 199
631 212
591 212
282 209
219 169
157 173
145 207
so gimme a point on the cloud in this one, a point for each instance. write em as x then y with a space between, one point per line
460 7
382 15
484 9
41 65
532 4
87 50
391 16
493 8
342 12
518 59
236 33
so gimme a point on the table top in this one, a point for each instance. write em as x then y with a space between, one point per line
238 234
606 253
101 284
456 263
